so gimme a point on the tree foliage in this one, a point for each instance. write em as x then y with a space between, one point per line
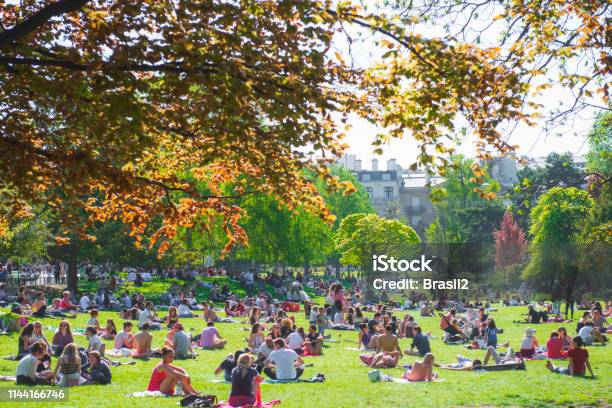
133 104
361 236
510 243
556 222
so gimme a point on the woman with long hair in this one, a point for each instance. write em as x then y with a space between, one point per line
69 365
172 317
275 331
257 338
25 336
61 338
244 378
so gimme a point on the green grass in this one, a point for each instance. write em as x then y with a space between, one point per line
347 384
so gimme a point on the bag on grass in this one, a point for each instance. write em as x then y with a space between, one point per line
195 401
374 375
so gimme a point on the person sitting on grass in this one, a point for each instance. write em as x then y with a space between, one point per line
124 338
94 343
567 340
181 343
228 365
65 304
295 340
244 379
578 359
388 342
422 370
256 338
61 338
529 343
449 325
23 342
283 363
208 313
141 343
166 376
364 337
93 319
27 373
184 310
314 341
554 347
148 316
420 341
95 371
110 331
69 365
211 338
172 317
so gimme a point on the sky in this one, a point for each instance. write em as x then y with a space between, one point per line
532 141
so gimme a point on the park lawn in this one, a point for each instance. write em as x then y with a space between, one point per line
347 382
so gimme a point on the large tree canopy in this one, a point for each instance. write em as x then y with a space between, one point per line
124 108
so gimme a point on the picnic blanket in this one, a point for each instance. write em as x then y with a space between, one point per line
267 404
405 381
148 394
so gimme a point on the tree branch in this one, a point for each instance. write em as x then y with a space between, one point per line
39 18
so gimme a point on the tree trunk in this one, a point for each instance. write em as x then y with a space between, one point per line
72 275
306 268
338 269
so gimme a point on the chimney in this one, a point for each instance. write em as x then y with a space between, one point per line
391 166
374 164
358 165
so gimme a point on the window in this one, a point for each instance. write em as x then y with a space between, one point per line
416 220
370 191
388 193
365 177
415 202
386 176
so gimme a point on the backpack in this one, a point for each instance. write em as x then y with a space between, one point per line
195 401
374 375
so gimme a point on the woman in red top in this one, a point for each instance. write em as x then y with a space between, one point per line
165 376
554 347
578 361
65 303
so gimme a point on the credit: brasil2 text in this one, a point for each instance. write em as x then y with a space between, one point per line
409 283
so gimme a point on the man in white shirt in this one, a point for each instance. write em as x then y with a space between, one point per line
26 369
183 309
295 340
147 277
283 364
84 302
131 276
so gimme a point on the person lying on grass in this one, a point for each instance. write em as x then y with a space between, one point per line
27 373
422 370
420 341
211 338
95 371
578 359
166 376
283 363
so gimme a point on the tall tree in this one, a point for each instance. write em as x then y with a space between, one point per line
556 222
510 243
